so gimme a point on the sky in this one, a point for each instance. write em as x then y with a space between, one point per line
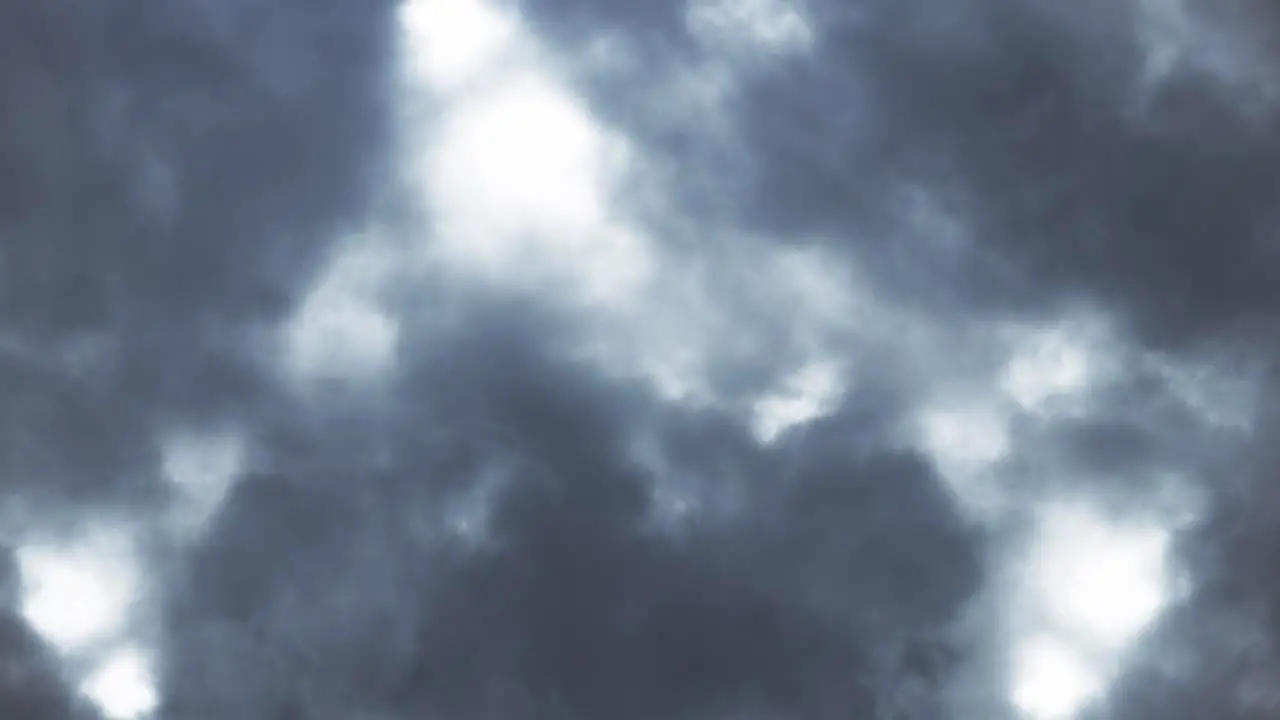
645 359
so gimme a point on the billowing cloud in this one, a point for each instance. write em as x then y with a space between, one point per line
693 359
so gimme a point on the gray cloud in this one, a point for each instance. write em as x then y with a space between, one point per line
356 591
171 173
174 173
1064 155
496 529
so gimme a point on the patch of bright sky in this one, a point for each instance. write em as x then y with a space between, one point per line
1053 682
341 331
80 595
77 594
123 686
1103 580
514 172
519 181
811 392
1089 586
448 42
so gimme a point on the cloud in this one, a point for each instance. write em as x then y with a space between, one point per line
30 682
981 163
564 596
752 359
80 595
123 687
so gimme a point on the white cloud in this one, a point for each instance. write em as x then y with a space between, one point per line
123 686
525 151
513 170
1087 587
202 467
340 331
78 594
966 440
1049 365
519 181
808 394
1103 581
775 25
448 42
1053 681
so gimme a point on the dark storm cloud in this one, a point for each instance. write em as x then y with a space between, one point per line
575 592
1069 167
171 172
1036 133
1058 163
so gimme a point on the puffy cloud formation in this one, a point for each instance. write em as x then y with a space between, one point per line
643 359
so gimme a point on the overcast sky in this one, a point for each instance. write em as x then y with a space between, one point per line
639 360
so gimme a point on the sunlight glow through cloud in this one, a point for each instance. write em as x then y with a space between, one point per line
1091 586
515 172
808 394
527 150
520 178
1103 581
1087 584
78 595
450 41
1053 681
123 687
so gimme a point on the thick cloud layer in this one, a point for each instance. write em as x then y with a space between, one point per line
706 359
172 173
570 593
